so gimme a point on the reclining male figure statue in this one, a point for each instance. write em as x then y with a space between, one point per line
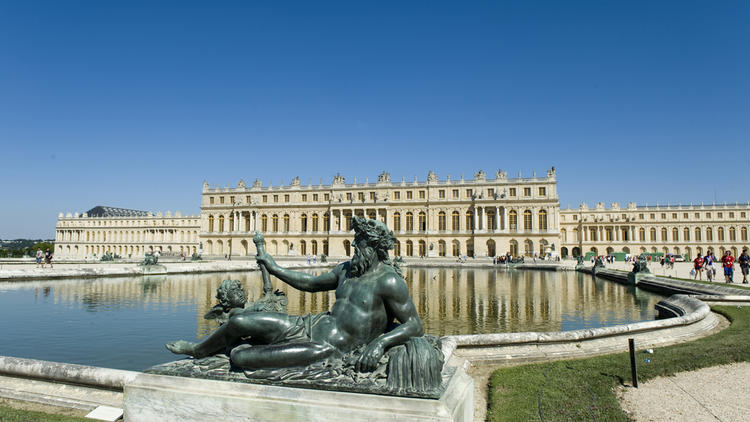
370 295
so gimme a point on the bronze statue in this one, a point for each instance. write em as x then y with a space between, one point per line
370 296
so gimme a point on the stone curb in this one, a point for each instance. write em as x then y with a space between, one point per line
112 379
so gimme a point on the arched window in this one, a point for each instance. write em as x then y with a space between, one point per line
397 248
303 247
409 222
469 220
709 234
396 222
303 223
652 234
527 220
210 225
409 248
326 222
698 234
543 220
491 248
264 223
563 235
675 235
441 247
528 247
231 222
275 223
221 223
663 234
456 248
422 221
608 234
422 248
720 234
513 247
286 222
325 247
455 221
513 221
686 234
441 221
743 234
642 234
315 223
347 248
732 234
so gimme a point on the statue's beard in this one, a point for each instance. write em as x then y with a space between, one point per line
363 260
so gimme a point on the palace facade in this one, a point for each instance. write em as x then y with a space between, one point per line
127 233
449 217
435 217
677 229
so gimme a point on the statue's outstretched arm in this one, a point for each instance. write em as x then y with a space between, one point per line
397 301
300 280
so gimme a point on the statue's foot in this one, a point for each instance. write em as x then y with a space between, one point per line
181 347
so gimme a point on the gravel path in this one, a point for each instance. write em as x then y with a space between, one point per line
720 393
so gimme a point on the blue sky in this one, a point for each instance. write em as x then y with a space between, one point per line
134 104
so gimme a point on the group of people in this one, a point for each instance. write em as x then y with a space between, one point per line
701 263
43 258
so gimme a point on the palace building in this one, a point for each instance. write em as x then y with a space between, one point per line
124 232
435 217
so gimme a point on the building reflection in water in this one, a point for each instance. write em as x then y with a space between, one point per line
450 301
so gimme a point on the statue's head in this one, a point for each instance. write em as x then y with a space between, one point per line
231 294
372 240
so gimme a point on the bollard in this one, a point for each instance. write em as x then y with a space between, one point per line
633 369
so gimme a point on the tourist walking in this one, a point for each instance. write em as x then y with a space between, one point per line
48 258
744 261
698 267
708 264
39 256
728 263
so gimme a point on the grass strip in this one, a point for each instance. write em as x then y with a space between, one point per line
583 389
9 414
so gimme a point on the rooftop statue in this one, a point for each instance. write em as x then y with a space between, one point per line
373 324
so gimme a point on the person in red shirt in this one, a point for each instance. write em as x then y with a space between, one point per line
728 261
698 267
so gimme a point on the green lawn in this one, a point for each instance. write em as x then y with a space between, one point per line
8 414
583 389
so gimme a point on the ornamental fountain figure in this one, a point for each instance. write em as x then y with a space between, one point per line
372 324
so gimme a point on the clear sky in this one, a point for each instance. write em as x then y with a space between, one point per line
134 104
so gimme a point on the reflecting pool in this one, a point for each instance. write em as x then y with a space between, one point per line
124 322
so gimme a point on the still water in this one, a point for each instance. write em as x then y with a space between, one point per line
123 323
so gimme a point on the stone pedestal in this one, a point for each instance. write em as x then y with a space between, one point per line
634 277
166 398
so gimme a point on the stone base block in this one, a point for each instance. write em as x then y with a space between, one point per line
166 398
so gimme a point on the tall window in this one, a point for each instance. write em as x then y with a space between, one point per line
675 235
542 219
441 221
513 220
422 248
663 235
326 222
409 248
303 247
221 223
527 220
315 222
469 220
686 234
513 248
709 234
422 222
732 234
409 222
303 222
275 223
642 234
210 225
441 248
697 234
264 223
743 234
608 234
720 234
455 221
456 250
231 222
396 222
397 248
286 222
